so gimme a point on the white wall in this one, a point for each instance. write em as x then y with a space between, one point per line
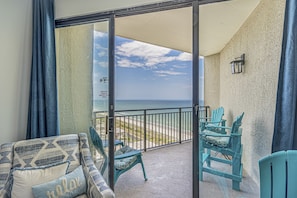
68 8
15 63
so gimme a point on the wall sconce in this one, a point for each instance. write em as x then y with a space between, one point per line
103 79
237 64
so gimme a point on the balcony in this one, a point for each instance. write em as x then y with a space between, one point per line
146 129
165 137
169 172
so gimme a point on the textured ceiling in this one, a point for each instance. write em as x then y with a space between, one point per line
173 29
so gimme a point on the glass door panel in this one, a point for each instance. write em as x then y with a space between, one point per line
101 87
84 83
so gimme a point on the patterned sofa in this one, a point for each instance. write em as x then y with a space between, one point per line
43 151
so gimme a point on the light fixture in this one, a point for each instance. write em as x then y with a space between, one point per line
103 79
237 64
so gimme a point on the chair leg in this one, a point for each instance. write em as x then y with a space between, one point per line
235 185
103 168
116 176
143 170
201 150
236 164
208 160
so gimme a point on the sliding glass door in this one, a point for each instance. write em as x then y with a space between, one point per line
103 90
85 82
85 62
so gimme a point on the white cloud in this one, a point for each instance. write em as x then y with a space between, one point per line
162 75
140 49
103 64
159 60
149 55
102 54
179 67
99 34
100 47
100 63
184 57
128 63
102 51
169 73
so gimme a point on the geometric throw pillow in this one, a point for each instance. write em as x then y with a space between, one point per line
25 178
67 186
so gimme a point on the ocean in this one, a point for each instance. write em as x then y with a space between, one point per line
120 105
164 118
162 125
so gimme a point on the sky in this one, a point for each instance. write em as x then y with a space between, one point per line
142 71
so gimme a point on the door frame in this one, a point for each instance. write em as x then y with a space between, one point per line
111 99
156 7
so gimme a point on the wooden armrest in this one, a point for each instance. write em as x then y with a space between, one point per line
126 155
215 135
204 117
116 142
209 122
221 127
236 134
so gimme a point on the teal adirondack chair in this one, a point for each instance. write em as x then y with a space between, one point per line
125 157
213 143
215 120
116 143
278 175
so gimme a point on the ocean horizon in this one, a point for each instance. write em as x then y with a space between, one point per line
120 105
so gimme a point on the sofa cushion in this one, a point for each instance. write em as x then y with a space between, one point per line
25 178
122 164
67 186
216 139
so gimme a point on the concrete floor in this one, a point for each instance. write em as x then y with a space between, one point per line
169 172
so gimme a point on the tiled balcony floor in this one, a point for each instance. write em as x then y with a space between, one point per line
169 175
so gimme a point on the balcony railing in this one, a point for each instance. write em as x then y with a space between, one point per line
150 128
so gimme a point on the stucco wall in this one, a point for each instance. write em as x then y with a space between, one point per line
254 91
212 81
74 70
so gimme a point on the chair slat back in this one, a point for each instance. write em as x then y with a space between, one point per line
217 115
97 141
235 141
278 175
237 123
